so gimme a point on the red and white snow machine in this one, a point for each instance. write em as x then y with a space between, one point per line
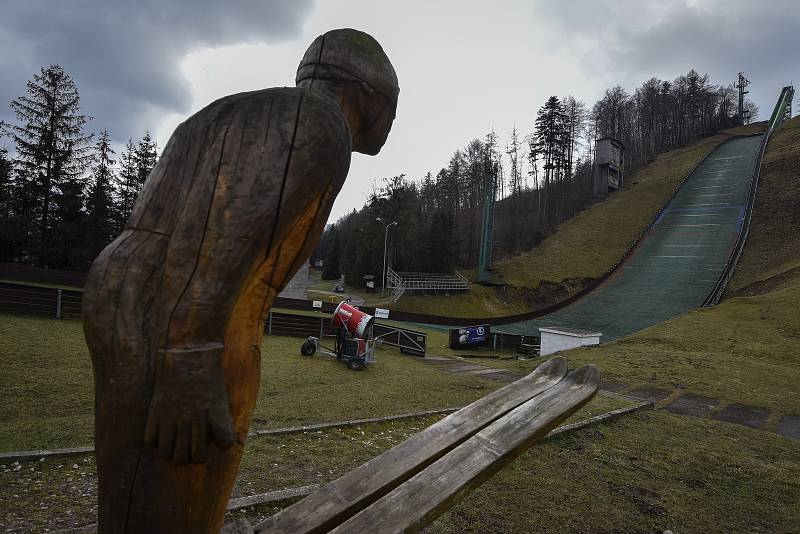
354 344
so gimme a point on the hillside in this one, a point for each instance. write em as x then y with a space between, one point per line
771 258
582 248
747 349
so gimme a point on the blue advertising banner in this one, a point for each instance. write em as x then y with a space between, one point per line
469 336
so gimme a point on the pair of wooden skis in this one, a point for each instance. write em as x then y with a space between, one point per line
407 487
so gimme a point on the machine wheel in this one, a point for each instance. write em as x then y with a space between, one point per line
308 348
356 364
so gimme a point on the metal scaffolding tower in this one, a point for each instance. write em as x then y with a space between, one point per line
741 83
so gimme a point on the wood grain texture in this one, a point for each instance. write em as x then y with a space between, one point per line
417 502
174 306
342 498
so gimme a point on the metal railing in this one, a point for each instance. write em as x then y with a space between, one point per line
780 113
413 280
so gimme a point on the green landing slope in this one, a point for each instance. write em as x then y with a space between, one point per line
678 263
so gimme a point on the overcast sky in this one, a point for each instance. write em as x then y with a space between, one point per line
464 67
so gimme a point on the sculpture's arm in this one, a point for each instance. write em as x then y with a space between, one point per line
266 205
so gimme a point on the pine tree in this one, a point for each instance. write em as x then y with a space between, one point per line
100 209
52 154
64 249
8 228
146 158
331 267
512 150
574 122
128 184
551 143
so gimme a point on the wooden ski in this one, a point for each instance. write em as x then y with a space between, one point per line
344 497
417 502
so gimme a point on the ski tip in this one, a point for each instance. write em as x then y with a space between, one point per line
588 375
553 368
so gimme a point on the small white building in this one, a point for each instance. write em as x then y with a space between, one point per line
557 339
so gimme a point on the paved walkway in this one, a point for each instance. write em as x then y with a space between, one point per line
677 264
674 401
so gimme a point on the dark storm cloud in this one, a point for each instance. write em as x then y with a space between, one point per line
125 55
633 41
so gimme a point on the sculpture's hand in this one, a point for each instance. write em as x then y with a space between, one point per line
189 401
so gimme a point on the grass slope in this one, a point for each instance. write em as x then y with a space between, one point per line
650 472
772 253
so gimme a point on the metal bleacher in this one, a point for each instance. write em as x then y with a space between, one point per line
400 282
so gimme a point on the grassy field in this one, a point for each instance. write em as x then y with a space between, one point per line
46 379
650 472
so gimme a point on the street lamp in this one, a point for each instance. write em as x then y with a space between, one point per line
385 238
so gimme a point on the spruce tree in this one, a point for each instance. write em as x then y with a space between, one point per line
512 150
101 219
331 267
128 184
52 154
146 158
8 225
551 144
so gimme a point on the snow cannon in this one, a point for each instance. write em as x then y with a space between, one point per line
354 345
349 318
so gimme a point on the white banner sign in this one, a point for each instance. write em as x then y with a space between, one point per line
380 313
317 304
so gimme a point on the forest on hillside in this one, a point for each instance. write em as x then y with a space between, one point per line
539 179
64 193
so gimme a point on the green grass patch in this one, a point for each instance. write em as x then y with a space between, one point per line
744 350
46 379
47 385
772 253
61 492
648 472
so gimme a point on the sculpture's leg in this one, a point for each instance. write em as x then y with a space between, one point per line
138 490
118 326
142 492
193 498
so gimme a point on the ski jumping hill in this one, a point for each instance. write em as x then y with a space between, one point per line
682 261
678 263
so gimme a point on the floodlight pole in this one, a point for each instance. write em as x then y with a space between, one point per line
385 239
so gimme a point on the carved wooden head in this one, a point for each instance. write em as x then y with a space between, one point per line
351 67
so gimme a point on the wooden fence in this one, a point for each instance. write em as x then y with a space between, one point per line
19 299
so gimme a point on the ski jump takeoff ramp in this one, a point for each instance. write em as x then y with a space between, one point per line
678 263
